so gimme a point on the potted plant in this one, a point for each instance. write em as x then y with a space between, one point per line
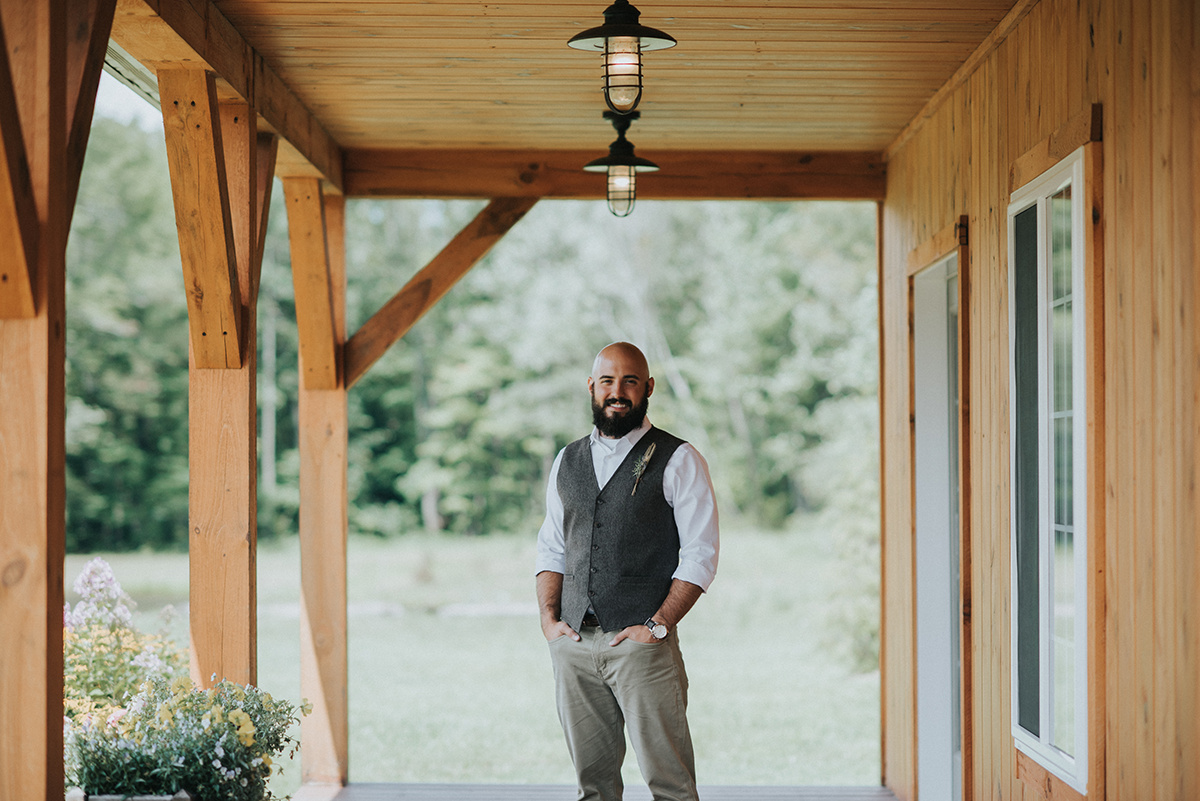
135 726
215 743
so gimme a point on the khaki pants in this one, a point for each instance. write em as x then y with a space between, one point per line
600 689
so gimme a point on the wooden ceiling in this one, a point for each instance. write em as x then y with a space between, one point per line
778 76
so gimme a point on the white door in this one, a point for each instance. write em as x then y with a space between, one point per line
935 355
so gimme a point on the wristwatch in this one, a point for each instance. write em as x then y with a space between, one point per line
657 630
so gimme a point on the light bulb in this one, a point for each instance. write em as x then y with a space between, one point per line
622 72
622 189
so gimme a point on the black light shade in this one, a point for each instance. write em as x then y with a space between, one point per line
622 40
622 166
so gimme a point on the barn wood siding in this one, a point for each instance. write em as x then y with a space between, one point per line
1139 59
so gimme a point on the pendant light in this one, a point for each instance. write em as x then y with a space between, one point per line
621 165
622 41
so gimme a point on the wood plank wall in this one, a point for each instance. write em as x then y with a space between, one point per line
1140 59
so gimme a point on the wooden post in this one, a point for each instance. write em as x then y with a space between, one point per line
217 161
316 227
47 81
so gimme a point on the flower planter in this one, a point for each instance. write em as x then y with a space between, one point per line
78 795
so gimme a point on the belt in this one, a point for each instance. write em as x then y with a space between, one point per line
590 621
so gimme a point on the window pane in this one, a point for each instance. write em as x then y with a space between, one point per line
1062 654
1064 461
1060 244
1025 463
1061 323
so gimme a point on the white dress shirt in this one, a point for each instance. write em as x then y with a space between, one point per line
687 488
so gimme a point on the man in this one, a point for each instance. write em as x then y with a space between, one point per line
629 543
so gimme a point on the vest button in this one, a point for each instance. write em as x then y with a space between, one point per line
598 524
595 570
595 547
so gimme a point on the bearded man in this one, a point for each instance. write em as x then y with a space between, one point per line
629 543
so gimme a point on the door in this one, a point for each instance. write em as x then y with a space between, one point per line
936 415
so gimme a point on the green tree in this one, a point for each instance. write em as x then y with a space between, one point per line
126 382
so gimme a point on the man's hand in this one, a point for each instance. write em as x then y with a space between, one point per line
553 629
637 634
549 595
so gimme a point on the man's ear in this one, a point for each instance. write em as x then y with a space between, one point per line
591 385
649 386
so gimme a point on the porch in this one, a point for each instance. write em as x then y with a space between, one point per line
562 792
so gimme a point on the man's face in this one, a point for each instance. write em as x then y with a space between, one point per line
620 390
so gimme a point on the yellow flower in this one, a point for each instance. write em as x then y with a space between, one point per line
245 726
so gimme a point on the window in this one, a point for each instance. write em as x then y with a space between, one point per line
1048 383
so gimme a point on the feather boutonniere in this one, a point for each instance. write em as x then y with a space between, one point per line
640 467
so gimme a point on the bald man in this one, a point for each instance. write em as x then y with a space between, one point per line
629 543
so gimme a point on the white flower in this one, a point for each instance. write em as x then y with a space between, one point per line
150 661
216 763
101 598
220 750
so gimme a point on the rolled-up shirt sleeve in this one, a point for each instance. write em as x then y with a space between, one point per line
688 488
551 543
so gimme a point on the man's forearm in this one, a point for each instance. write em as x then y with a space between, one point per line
549 595
680 600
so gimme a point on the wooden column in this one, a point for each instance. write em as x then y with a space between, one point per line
220 179
316 227
48 80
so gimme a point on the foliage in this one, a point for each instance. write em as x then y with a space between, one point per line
106 659
214 743
135 724
126 382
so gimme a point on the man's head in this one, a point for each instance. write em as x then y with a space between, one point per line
620 386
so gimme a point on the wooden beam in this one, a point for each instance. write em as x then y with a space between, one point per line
222 431
684 174
433 281
315 319
1086 126
18 208
32 419
268 151
88 27
165 34
191 124
324 498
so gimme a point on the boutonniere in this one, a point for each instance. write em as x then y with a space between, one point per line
640 467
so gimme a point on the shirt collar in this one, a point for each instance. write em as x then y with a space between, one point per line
624 443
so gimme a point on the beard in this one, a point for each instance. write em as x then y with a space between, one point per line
621 424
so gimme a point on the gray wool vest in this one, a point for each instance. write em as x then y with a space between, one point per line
622 545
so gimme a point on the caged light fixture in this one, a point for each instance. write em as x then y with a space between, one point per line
622 40
621 165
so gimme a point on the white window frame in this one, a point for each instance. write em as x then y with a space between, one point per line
1073 769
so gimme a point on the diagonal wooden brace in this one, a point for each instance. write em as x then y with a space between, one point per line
200 186
435 279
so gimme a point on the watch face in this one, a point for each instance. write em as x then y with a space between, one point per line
659 631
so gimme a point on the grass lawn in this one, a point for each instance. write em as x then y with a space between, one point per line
450 680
